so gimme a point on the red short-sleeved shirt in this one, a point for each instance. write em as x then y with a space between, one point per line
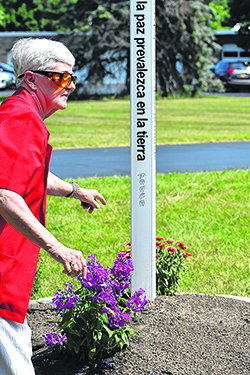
24 161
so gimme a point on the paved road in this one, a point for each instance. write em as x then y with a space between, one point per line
89 162
170 158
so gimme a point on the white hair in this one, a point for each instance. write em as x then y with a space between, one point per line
38 54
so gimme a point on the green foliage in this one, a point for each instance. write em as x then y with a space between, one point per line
87 331
170 263
213 85
18 16
222 13
94 320
206 51
34 15
102 30
183 34
158 95
2 15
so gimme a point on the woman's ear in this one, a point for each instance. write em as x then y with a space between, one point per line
30 80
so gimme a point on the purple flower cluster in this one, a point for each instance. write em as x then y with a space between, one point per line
104 291
116 317
55 338
108 285
136 303
97 278
121 273
66 298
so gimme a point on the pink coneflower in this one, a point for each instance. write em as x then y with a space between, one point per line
169 241
181 245
171 249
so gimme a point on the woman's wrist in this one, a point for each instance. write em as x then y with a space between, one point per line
75 190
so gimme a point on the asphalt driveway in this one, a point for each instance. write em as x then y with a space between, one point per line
89 162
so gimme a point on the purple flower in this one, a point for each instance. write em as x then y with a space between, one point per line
117 318
66 298
97 277
121 273
105 310
105 296
137 302
54 338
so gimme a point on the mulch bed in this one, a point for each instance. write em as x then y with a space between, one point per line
188 334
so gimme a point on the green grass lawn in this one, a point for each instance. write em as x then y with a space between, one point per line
207 211
107 123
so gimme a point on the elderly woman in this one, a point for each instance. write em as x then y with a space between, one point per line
45 80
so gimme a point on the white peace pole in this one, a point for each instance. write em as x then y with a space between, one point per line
142 117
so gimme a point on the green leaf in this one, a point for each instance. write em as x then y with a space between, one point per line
110 333
125 338
76 348
92 353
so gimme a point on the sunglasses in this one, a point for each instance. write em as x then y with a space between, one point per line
61 79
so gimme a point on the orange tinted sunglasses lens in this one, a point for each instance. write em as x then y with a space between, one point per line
67 79
56 78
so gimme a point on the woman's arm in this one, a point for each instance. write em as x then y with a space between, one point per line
16 212
59 188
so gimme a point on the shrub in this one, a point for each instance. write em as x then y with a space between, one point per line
170 262
94 320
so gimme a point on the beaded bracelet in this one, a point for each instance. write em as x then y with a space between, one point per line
76 189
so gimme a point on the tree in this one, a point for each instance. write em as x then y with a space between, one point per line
221 11
103 33
33 15
101 29
183 34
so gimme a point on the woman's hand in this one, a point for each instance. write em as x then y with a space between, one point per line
88 198
72 260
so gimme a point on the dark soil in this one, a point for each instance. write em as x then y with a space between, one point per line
187 334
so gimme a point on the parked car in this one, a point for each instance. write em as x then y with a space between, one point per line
238 75
7 76
234 74
6 80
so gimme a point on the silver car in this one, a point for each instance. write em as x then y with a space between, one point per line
237 75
